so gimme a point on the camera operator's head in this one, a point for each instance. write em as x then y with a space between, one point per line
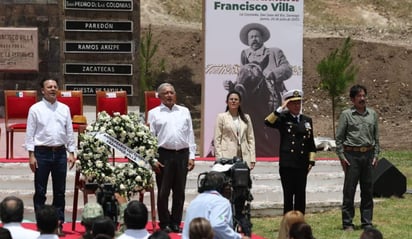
213 181
135 215
91 212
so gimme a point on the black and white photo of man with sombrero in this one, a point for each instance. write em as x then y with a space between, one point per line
260 81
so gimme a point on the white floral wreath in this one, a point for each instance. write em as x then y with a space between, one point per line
93 154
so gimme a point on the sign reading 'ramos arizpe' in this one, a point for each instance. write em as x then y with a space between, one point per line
98 69
99 5
98 47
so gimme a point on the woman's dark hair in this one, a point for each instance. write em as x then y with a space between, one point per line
200 228
301 230
241 114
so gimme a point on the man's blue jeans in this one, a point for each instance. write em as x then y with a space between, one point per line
54 162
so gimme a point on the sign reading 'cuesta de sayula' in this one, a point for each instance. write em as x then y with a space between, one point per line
90 89
99 5
98 69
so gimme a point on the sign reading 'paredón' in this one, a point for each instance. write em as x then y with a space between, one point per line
99 5
98 26
98 69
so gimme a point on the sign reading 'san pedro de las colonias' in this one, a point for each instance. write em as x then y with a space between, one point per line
98 47
98 26
99 5
90 89
98 69
19 49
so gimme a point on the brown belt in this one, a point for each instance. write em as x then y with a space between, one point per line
50 148
361 149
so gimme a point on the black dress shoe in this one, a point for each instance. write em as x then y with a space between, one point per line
166 229
60 232
175 228
348 228
367 226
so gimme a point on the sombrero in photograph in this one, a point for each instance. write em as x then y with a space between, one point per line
254 26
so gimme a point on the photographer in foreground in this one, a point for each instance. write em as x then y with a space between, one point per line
211 205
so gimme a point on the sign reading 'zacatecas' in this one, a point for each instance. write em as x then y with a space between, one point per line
98 69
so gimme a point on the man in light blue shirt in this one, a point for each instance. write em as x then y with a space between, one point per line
210 204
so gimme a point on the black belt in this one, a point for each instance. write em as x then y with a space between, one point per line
50 148
174 151
362 149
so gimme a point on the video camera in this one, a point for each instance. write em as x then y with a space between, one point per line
236 170
236 189
106 198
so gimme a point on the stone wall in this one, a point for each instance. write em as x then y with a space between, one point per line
49 16
46 18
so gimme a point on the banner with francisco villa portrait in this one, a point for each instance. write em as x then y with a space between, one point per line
254 47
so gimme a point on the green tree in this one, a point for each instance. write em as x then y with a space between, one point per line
336 72
148 72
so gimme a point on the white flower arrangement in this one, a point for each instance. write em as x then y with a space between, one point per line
93 154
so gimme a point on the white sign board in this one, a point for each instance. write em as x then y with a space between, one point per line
19 49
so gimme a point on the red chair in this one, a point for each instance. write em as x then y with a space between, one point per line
16 109
79 185
111 102
73 99
151 101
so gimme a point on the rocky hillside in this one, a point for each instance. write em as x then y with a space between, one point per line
382 34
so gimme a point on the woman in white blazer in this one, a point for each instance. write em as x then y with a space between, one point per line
234 137
234 132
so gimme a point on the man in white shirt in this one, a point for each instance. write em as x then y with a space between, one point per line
135 220
11 212
172 125
49 135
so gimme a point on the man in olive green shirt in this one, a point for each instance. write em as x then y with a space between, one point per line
357 146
